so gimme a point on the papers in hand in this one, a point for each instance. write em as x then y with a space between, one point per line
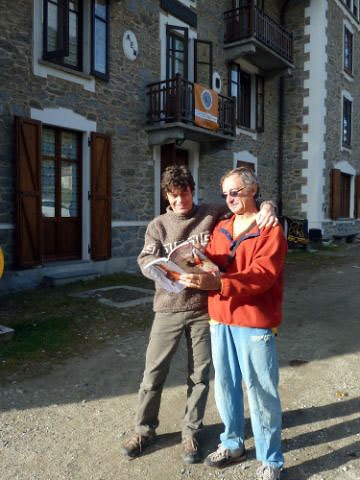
185 258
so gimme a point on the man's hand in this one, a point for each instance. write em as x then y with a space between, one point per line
267 215
201 281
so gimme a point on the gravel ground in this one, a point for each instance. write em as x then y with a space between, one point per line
68 423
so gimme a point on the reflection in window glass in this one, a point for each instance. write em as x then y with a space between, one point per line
72 59
48 188
48 142
347 104
100 9
52 27
69 193
69 145
100 47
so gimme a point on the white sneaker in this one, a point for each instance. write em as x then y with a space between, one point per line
222 457
265 472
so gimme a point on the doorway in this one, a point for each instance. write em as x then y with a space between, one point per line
61 155
171 155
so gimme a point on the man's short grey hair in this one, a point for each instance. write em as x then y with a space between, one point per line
247 176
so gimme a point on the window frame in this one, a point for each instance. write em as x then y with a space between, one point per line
348 50
59 56
85 58
59 161
248 98
62 26
172 32
346 115
198 62
97 73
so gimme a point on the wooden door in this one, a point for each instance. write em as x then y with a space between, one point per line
171 155
61 194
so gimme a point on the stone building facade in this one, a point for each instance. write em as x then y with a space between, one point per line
84 138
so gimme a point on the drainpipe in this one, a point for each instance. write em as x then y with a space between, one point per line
280 169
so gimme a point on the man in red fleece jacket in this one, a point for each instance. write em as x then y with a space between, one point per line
245 303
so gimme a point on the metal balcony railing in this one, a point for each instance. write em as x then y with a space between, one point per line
249 21
173 101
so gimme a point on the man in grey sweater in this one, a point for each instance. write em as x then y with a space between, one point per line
178 313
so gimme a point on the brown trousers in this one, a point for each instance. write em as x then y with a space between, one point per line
165 335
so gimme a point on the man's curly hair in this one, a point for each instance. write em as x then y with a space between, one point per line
176 176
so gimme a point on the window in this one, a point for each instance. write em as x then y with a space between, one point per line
100 37
176 51
60 165
203 62
64 38
240 88
346 122
353 7
356 8
348 50
247 89
246 3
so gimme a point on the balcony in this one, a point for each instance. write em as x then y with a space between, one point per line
171 116
253 35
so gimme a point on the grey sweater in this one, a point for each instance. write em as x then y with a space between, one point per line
162 235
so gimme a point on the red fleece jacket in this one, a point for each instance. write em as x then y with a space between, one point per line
252 286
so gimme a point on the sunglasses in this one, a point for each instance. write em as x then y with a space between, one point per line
232 193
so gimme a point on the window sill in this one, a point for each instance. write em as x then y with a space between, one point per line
345 148
44 69
68 70
250 132
349 76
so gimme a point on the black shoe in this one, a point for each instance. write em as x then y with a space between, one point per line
136 444
222 457
192 452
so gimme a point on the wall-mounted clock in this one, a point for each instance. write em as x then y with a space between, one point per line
130 45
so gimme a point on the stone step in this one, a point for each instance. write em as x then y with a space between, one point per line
63 278
6 333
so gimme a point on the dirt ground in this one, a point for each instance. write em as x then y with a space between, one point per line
68 421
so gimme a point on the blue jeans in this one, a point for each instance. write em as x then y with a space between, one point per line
248 354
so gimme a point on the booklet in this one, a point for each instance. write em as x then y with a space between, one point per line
185 258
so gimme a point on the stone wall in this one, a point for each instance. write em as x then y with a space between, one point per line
336 83
265 145
119 108
294 128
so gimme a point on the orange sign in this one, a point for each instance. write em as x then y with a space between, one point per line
206 107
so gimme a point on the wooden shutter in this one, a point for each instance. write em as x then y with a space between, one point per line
357 196
335 193
28 192
183 35
100 196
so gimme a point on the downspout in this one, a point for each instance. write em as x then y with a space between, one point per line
280 169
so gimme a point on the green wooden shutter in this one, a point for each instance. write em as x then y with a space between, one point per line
100 196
